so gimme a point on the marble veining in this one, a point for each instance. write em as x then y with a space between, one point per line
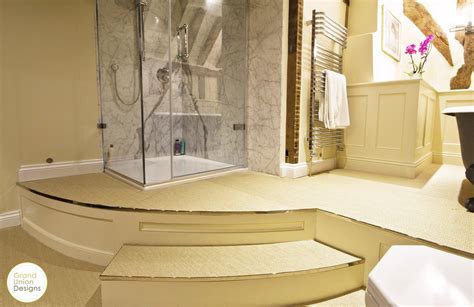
264 85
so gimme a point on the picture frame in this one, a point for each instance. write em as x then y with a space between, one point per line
391 33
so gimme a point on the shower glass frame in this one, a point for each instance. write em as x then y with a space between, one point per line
216 144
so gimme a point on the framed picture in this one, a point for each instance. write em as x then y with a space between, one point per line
391 32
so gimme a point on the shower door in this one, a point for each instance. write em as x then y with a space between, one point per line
120 75
172 86
158 92
207 81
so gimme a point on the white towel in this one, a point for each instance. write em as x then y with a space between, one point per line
333 107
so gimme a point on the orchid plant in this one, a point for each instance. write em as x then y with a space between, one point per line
424 50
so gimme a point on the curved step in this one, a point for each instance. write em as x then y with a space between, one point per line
279 273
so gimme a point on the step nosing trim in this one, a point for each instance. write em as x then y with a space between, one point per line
105 277
115 207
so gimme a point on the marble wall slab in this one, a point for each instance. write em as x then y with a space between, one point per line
264 85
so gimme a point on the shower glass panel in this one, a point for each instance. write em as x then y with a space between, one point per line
120 87
208 48
157 92
184 63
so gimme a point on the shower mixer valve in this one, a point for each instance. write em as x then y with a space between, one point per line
163 75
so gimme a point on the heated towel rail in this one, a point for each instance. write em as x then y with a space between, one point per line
328 41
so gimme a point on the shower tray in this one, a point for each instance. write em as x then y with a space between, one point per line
158 169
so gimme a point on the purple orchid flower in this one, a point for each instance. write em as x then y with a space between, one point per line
425 44
424 50
410 49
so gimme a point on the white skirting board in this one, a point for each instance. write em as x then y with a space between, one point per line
387 167
447 158
10 219
301 169
59 169
294 170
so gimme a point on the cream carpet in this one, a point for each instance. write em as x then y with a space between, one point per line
225 261
428 207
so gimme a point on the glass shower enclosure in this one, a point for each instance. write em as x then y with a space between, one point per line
172 87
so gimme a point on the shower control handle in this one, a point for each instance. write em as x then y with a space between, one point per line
163 75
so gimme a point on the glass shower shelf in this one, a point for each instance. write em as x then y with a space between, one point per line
188 114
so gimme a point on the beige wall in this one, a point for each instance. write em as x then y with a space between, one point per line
362 17
364 59
9 150
358 62
444 12
49 101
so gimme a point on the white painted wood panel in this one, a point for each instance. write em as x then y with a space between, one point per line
355 133
390 121
391 127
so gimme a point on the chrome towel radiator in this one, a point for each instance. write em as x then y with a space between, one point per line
328 41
